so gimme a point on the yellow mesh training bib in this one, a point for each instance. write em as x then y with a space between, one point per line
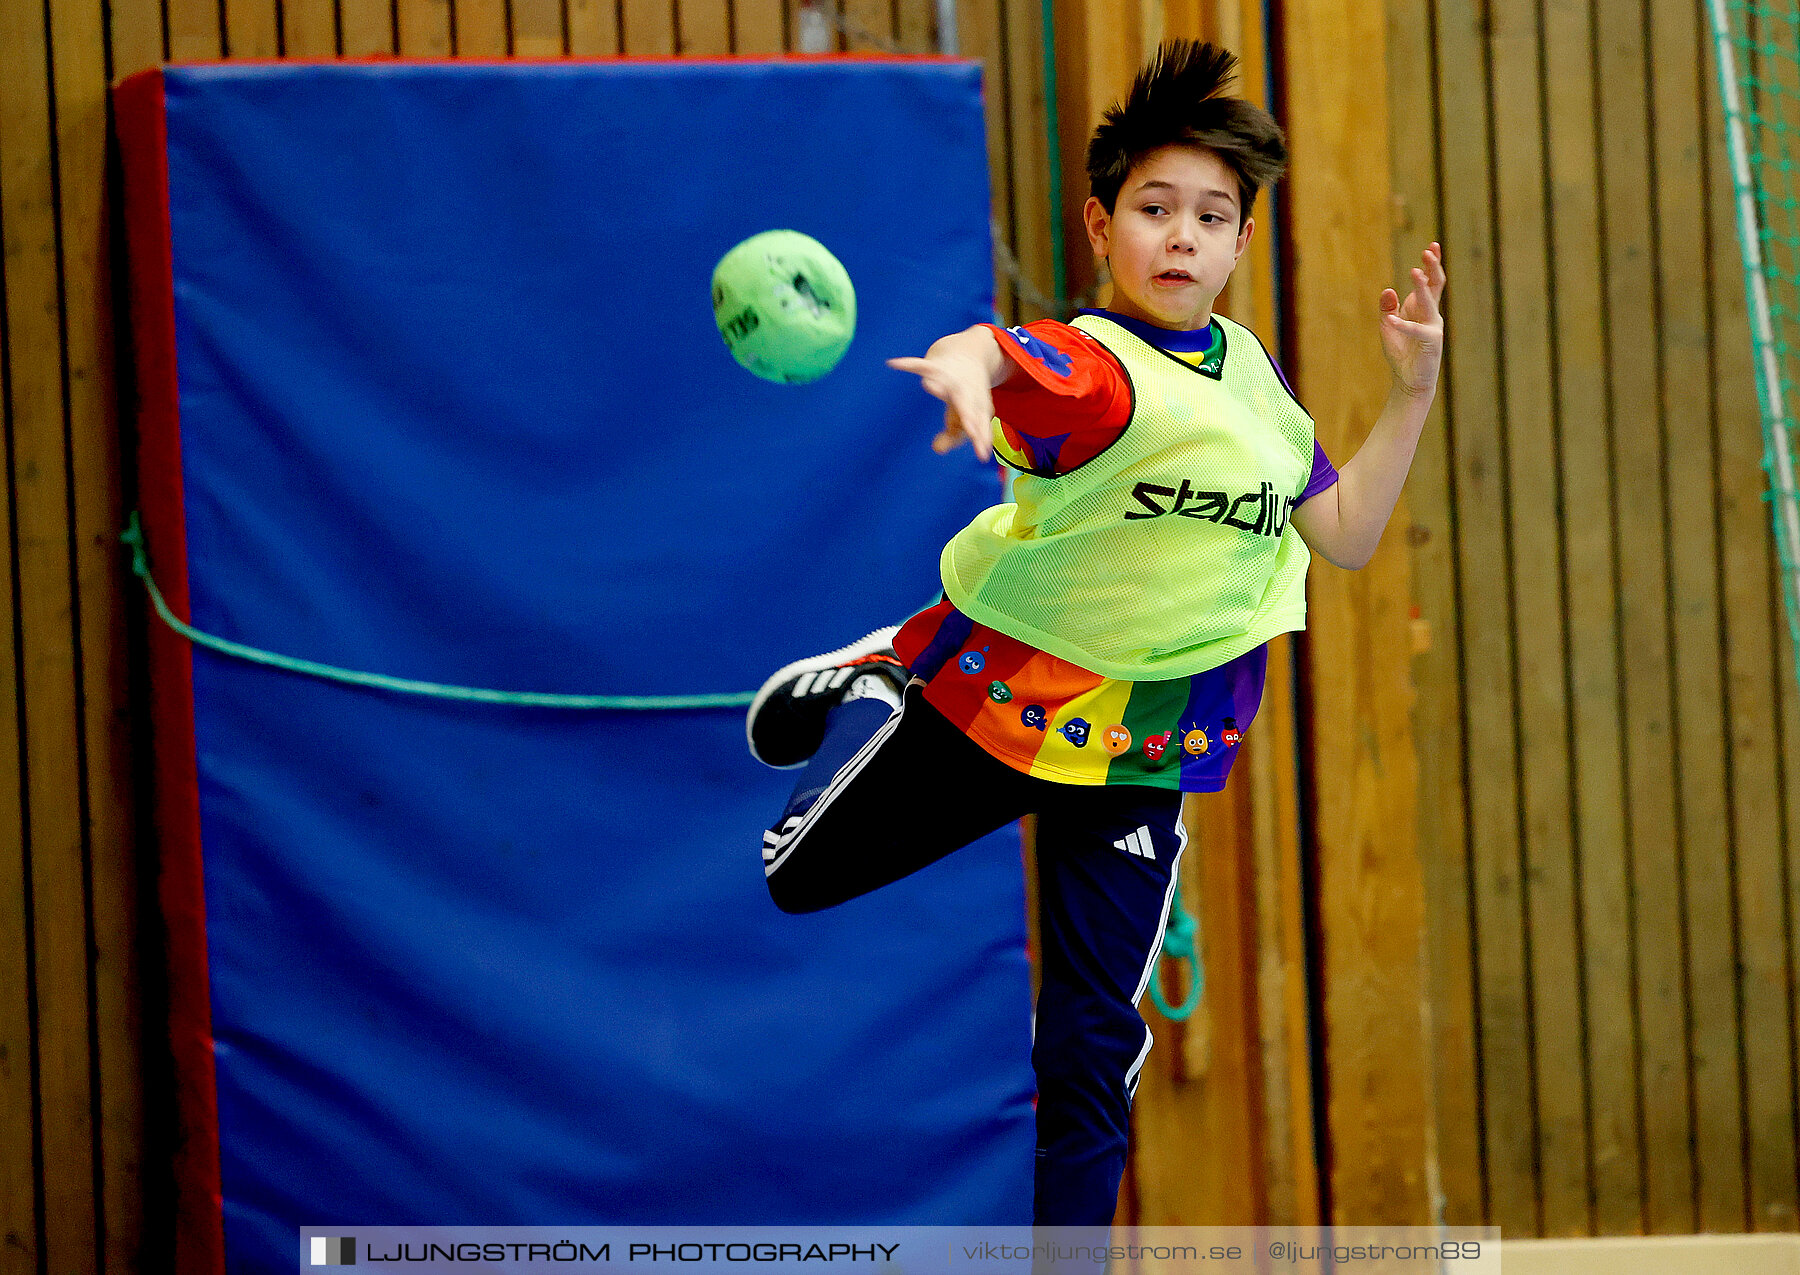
1170 552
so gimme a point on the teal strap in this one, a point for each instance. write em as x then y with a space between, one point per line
1180 943
140 567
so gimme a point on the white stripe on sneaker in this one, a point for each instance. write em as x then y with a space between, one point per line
773 840
868 644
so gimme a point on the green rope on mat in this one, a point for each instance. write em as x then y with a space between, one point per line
1178 937
1179 944
140 567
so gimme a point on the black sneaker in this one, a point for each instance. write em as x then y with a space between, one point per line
786 721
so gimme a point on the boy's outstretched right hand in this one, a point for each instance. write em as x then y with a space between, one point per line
962 369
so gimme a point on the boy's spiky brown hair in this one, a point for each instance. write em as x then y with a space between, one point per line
1178 98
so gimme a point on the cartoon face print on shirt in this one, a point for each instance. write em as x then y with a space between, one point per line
1075 730
1231 734
1115 740
1195 742
1033 716
1157 744
973 661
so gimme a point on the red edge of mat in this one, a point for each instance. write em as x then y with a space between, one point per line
181 885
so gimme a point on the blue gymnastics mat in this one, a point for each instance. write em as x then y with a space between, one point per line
431 388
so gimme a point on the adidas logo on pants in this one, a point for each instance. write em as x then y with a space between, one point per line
1137 843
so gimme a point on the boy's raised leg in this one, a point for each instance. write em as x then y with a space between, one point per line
886 792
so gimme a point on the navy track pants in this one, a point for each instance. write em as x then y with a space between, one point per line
888 793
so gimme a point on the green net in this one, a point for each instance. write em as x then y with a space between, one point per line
1758 56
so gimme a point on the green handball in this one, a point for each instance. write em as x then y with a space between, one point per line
785 306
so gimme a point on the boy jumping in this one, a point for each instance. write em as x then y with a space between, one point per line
1101 644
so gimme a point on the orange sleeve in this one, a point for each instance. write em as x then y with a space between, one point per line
1068 401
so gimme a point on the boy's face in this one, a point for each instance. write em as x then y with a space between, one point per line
1172 237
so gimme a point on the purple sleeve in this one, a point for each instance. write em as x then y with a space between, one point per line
1323 475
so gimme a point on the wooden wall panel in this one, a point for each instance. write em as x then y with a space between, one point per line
1250 297
1756 649
252 29
1753 654
1027 155
757 27
1627 817
365 28
56 865
481 28
868 25
704 28
194 34
1677 118
1443 851
649 27
1644 610
916 28
309 28
594 27
1775 98
1290 1145
1097 52
980 33
1364 816
537 29
1472 399
106 947
21 1210
423 27
1201 1087
1599 827
1765 915
1530 446
1771 1204
135 36
19 1240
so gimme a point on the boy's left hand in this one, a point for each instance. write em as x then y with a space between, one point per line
1412 331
